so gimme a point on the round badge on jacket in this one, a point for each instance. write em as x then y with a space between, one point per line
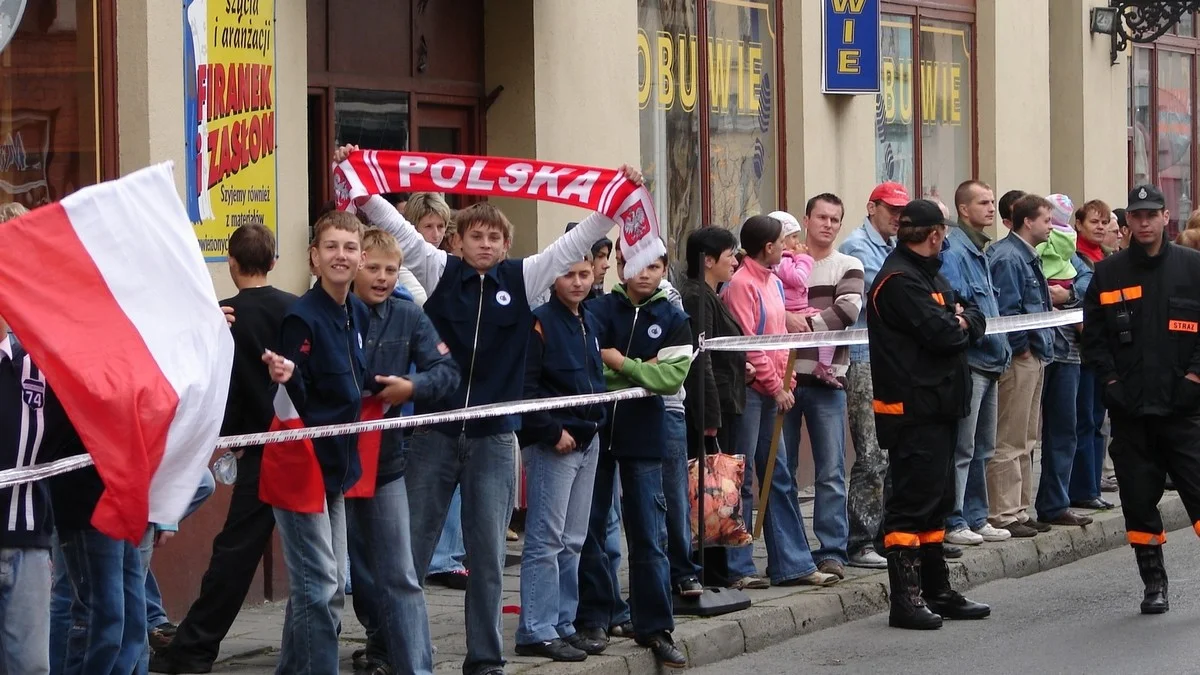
503 298
655 331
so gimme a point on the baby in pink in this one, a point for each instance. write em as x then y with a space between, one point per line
794 270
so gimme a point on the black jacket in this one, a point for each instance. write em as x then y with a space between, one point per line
918 349
1141 315
724 372
563 359
28 415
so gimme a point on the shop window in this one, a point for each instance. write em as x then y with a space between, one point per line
924 114
732 171
51 105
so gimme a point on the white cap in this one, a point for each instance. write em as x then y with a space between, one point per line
790 224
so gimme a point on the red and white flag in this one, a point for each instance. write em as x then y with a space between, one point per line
108 292
291 478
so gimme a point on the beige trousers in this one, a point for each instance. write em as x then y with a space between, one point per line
1018 425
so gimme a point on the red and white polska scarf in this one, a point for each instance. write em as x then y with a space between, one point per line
372 172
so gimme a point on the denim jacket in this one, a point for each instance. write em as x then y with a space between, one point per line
868 246
1017 274
966 268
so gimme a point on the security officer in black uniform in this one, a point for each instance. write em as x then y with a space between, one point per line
919 333
1141 318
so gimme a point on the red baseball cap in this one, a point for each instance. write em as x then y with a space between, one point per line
892 194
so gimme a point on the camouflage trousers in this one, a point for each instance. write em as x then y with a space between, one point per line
865 492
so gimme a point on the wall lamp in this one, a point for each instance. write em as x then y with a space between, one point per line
1139 21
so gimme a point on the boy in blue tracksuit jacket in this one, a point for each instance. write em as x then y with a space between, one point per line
560 450
645 342
399 338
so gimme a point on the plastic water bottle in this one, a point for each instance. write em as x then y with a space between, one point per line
225 468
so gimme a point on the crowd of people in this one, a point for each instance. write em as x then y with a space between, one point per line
422 308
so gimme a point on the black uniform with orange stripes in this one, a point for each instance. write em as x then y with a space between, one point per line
1141 334
922 388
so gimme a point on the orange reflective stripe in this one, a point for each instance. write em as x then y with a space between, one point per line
879 285
888 408
1113 297
903 539
933 537
1147 539
1196 527
1183 326
937 297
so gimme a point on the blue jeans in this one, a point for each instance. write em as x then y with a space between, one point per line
450 551
560 504
645 510
1088 467
1059 390
155 614
98 622
24 622
485 468
824 410
389 602
314 546
612 550
976 445
788 555
675 489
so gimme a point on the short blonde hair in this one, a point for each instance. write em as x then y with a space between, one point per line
421 204
12 210
375 239
485 215
1193 221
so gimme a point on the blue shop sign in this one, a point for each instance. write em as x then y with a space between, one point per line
850 51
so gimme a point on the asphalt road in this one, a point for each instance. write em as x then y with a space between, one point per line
1079 619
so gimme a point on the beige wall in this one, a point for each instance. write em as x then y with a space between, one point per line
150 95
1088 144
1013 94
831 139
570 95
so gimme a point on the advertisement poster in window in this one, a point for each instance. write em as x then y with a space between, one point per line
895 144
229 118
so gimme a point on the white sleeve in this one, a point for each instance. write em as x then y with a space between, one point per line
541 269
410 284
424 260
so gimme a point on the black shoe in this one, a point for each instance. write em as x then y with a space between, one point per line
1069 518
161 662
953 551
952 605
596 634
664 650
621 630
456 580
591 645
690 588
935 588
555 650
1096 504
908 606
161 635
1020 530
1038 525
1154 576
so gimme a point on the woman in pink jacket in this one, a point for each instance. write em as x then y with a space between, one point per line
755 297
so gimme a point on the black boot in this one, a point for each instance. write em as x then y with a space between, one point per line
935 585
908 607
1154 576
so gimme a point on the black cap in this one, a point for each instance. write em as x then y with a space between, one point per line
922 213
1119 214
1146 198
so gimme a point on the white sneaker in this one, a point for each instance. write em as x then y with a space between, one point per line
963 537
869 559
990 533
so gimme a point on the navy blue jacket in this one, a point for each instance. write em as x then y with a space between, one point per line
1021 288
654 329
485 319
325 341
563 359
400 336
25 416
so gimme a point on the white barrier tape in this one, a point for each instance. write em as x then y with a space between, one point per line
838 338
11 477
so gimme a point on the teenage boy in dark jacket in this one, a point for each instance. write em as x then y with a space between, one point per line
480 305
645 342
560 449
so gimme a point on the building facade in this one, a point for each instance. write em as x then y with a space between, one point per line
721 101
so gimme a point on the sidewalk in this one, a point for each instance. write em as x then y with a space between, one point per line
777 613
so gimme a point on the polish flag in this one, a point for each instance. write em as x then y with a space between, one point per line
108 292
291 478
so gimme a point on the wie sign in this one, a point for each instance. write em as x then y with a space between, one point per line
850 61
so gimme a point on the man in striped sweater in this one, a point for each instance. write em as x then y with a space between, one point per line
835 287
